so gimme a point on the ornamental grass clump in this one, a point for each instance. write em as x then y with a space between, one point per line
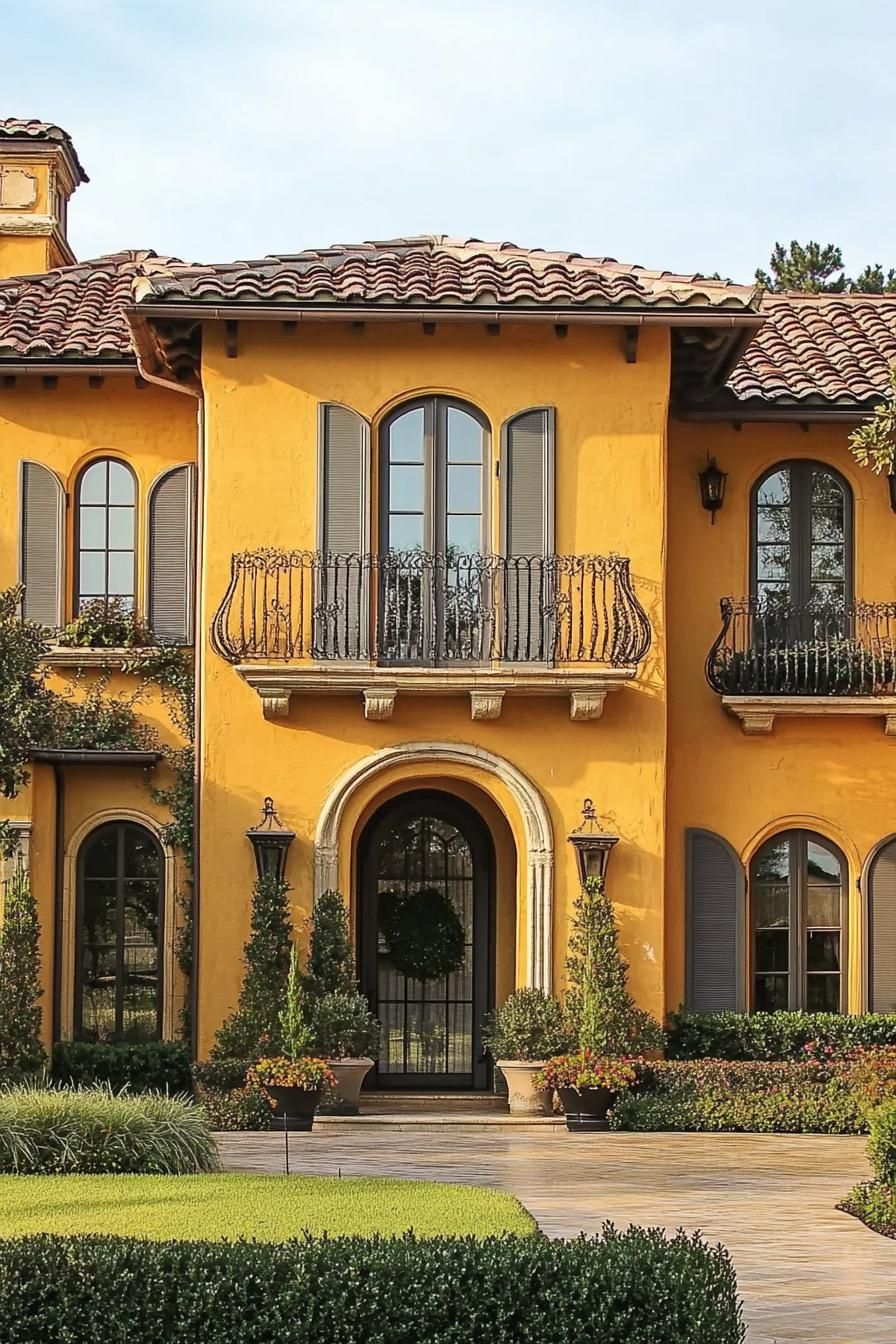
96 1131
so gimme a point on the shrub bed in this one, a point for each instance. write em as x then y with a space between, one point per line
228 1099
773 1035
61 1131
812 1096
146 1066
633 1287
875 1201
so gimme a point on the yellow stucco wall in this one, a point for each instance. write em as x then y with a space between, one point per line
832 775
64 428
28 253
260 470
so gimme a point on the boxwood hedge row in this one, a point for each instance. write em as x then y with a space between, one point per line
773 1035
633 1287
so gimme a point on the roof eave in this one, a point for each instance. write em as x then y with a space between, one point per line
758 409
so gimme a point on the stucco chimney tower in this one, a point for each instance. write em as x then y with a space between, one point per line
39 170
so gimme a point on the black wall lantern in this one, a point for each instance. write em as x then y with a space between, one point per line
270 840
591 844
712 487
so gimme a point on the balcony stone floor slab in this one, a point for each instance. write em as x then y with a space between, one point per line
806 1272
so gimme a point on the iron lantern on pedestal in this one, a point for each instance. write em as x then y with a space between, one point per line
712 487
270 840
591 844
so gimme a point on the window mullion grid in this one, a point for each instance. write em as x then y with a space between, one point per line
798 904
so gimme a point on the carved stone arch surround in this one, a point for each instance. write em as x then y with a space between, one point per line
539 857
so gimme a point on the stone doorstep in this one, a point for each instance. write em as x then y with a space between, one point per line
439 1120
432 1102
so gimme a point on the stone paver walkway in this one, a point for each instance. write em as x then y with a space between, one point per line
806 1272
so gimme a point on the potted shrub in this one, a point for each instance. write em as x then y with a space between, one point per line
345 1031
293 1082
587 1085
526 1030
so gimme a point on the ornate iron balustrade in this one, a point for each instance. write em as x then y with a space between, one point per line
414 608
772 647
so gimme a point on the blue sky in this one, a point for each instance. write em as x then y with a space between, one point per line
688 136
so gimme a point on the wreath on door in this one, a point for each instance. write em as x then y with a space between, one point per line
423 933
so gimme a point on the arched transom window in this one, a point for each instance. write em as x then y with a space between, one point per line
118 991
798 896
106 534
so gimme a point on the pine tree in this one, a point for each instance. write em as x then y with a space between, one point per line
601 1009
812 268
330 957
21 1050
254 1028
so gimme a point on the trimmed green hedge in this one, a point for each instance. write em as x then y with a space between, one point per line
633 1287
874 1202
882 1143
59 1131
828 1096
772 1035
146 1066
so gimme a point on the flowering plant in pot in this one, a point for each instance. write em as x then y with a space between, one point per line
587 1085
293 1082
343 1029
525 1031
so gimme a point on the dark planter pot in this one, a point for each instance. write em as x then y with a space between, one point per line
586 1109
293 1106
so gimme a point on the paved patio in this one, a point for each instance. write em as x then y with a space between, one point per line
805 1271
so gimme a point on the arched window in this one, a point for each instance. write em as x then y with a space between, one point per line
802 536
105 534
434 478
798 898
118 985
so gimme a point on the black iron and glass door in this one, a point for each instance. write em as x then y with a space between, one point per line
798 895
433 533
431 1029
118 982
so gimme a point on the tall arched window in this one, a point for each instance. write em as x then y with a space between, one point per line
802 536
118 986
433 469
798 898
105 534
433 533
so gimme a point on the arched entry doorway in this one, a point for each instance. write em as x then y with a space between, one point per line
431 1030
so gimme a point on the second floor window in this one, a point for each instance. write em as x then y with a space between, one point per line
433 461
802 536
106 533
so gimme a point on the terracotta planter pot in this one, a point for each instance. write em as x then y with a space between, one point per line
349 1075
586 1108
293 1106
523 1097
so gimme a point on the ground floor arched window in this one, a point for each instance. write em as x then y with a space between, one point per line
118 982
798 900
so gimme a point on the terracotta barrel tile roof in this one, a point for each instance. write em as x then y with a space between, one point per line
24 128
436 270
832 348
73 312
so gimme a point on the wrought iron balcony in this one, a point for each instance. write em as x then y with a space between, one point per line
417 609
770 647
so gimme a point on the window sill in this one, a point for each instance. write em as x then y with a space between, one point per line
757 713
78 656
379 687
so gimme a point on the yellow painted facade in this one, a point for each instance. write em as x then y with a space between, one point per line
663 756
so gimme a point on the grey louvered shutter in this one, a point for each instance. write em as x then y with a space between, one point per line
42 544
882 931
345 572
715 930
171 512
527 529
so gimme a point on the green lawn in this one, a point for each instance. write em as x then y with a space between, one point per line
267 1208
